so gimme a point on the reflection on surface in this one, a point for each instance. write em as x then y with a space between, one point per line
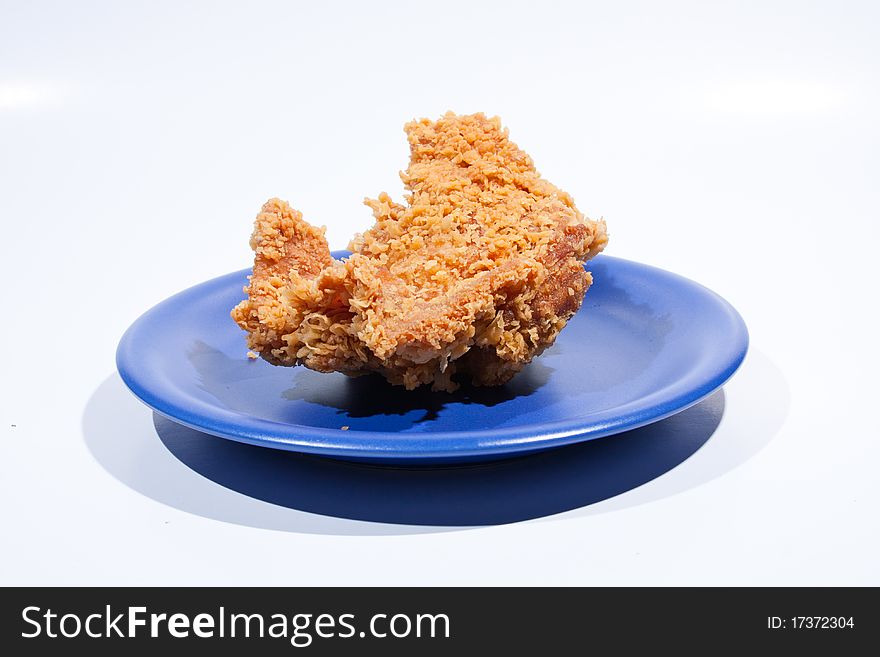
28 95
371 395
302 396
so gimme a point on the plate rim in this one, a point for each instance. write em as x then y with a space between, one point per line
388 445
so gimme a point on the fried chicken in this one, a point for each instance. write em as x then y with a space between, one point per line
473 277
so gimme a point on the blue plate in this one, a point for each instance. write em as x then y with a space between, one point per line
646 344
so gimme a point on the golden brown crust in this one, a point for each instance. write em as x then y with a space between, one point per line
285 246
476 274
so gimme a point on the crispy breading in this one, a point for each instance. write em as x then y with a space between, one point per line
474 276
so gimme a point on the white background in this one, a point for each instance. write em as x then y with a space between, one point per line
734 143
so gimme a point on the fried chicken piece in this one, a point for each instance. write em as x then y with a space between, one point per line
474 276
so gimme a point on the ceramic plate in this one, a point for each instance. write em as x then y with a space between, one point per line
646 344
